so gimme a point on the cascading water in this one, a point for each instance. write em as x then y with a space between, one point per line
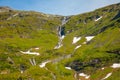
61 36
61 33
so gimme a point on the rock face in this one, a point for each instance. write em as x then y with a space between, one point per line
114 52
5 9
79 65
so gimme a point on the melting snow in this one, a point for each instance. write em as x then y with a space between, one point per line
28 52
84 75
103 68
37 48
77 46
98 18
43 64
84 42
116 65
21 72
69 68
89 38
76 39
108 75
58 46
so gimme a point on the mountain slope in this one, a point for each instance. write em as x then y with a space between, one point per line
38 46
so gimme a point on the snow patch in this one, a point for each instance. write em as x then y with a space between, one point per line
98 18
21 72
37 48
58 46
77 46
84 42
88 38
103 68
69 68
84 75
116 65
76 39
28 52
108 75
42 65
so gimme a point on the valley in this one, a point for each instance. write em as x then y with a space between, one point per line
39 46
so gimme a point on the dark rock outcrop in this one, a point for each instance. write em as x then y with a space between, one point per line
116 16
114 52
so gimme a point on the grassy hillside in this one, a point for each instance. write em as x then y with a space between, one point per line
38 32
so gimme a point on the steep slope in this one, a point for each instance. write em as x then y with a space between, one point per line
38 46
104 49
93 23
21 25
25 31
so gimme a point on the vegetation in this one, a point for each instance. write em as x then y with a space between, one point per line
28 30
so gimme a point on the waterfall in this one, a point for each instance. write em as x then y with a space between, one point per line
61 33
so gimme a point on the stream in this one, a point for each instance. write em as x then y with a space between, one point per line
61 33
61 36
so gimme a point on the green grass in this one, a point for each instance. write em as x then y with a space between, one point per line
32 29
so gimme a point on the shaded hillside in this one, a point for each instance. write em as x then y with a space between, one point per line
94 22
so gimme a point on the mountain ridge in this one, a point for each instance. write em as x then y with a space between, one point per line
37 46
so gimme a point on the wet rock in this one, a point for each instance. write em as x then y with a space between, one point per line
22 68
114 52
105 27
79 65
76 65
94 62
20 78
